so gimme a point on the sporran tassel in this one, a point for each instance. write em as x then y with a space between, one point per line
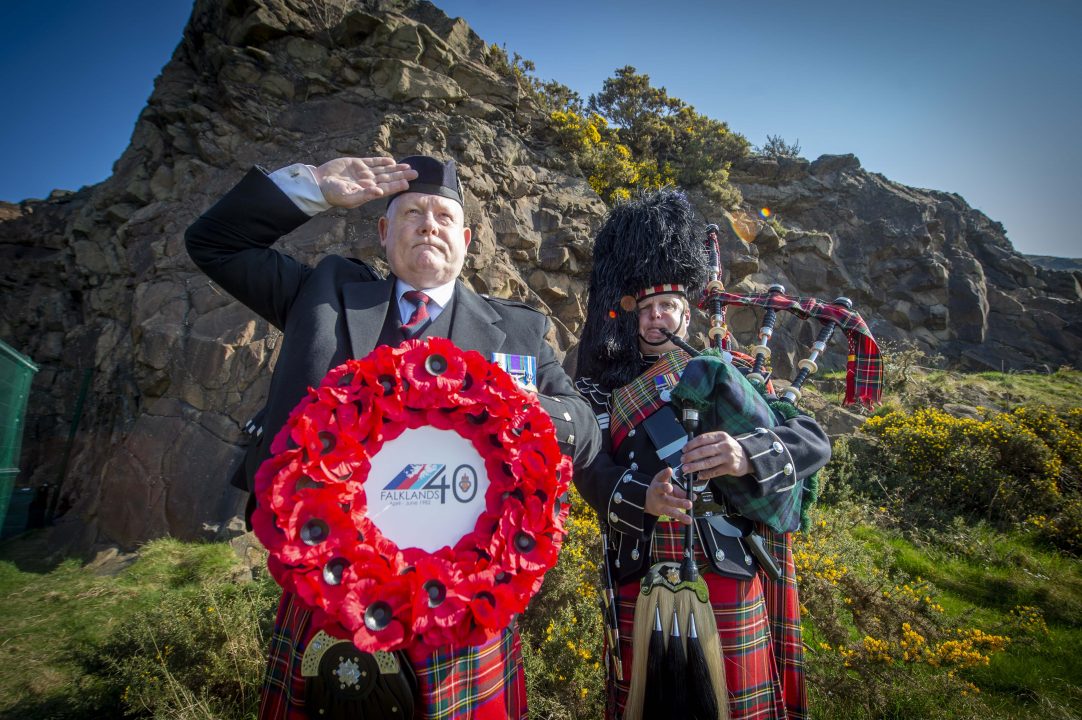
653 704
650 607
674 684
702 701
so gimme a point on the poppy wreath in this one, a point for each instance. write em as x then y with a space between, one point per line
312 509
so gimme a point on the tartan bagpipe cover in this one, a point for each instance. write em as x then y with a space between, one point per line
727 401
864 367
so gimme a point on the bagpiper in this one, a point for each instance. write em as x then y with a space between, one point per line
650 265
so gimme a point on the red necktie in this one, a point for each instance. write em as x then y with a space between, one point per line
420 314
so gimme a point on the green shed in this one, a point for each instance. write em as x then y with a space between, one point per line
16 373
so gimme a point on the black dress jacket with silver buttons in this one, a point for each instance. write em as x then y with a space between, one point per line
615 482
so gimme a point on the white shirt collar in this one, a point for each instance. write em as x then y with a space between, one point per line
440 295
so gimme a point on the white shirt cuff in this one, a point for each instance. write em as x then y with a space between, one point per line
299 184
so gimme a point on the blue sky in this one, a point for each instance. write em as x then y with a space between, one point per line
982 98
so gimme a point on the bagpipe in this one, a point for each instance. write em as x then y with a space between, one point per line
676 652
864 368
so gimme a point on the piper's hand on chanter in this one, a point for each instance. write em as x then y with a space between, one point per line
351 182
714 454
664 498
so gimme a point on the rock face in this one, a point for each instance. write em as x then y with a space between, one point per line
149 370
921 266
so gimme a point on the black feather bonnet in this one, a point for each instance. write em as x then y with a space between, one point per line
647 241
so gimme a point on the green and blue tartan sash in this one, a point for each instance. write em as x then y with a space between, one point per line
727 401
639 399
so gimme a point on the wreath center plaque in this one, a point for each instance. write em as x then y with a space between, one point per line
426 488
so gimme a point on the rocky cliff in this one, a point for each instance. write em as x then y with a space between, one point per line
920 265
98 288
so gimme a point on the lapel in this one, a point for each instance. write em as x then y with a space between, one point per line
366 305
474 323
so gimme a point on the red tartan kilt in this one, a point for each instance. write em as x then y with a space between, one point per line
485 682
740 610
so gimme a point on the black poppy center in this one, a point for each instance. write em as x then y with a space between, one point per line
378 616
314 532
524 542
436 591
332 571
436 364
304 482
327 440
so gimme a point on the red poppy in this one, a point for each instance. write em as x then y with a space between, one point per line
316 430
433 372
382 391
489 603
343 376
276 474
526 525
353 418
377 610
281 441
316 530
326 587
283 574
435 606
476 381
312 513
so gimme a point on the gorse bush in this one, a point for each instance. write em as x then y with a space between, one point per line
875 634
562 631
1010 468
608 165
631 135
668 140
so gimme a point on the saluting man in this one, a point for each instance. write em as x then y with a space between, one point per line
341 309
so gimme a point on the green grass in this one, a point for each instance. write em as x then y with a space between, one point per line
1060 389
980 575
58 621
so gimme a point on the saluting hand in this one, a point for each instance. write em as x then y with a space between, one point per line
351 182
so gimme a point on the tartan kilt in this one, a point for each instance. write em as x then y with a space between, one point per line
482 682
764 678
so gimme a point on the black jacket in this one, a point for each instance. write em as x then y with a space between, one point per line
615 482
336 311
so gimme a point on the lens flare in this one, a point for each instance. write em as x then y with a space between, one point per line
745 225
764 213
